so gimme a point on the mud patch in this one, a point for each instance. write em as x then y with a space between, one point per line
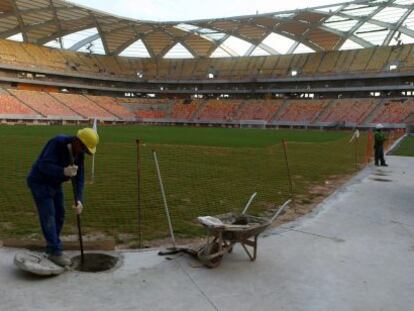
94 262
305 203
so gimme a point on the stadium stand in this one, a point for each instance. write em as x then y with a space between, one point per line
353 111
379 59
328 62
185 111
345 59
361 60
399 56
11 107
224 110
108 64
298 61
45 57
282 66
312 64
302 111
408 60
150 114
12 53
259 109
394 111
369 59
110 104
83 106
44 103
34 104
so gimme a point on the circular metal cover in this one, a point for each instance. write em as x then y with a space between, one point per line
37 264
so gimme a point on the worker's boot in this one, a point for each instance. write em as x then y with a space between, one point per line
60 260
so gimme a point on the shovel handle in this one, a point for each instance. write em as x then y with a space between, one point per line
78 220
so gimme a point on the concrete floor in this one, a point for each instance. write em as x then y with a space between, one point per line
355 252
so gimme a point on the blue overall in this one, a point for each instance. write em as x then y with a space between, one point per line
45 182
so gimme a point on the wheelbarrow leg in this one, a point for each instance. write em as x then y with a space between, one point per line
252 244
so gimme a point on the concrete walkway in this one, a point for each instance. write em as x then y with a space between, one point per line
355 252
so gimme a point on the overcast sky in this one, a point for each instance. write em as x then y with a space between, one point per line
177 10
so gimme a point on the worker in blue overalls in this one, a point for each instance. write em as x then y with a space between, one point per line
51 169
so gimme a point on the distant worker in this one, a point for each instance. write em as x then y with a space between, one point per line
379 145
51 169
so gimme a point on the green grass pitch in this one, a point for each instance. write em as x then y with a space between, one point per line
406 148
206 171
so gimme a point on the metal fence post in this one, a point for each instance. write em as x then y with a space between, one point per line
284 143
356 152
139 220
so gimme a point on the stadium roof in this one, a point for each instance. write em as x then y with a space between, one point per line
347 25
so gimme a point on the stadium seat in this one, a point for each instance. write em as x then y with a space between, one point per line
150 114
11 106
349 110
259 109
185 111
361 59
302 111
220 110
43 103
394 111
111 105
83 106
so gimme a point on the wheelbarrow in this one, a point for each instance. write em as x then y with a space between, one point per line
226 230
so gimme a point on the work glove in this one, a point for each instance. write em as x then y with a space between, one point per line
70 171
78 207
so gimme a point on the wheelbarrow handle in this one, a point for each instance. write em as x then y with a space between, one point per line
280 210
249 203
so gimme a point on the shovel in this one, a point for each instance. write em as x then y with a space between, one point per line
78 220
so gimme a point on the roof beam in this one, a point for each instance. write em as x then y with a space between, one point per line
149 48
392 32
36 10
294 37
138 36
361 20
125 45
189 48
20 21
402 29
24 29
83 42
66 32
217 43
229 50
182 42
345 36
55 17
101 34
293 47
166 49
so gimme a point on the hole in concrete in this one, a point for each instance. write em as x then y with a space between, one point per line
94 262
382 179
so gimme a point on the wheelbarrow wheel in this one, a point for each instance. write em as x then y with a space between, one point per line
207 257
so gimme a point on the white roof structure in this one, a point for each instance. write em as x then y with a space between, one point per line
357 24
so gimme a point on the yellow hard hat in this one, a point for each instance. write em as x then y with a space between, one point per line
89 138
